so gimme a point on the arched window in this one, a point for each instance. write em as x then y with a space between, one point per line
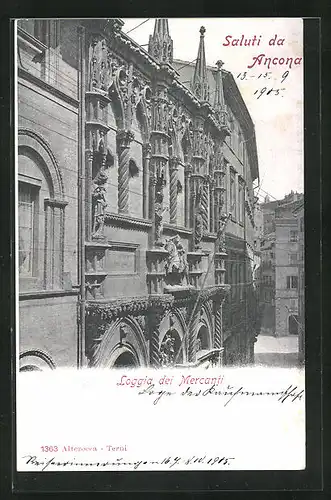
41 207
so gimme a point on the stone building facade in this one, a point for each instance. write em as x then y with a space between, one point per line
299 214
136 206
280 261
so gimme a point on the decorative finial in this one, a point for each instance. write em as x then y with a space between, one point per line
160 43
200 81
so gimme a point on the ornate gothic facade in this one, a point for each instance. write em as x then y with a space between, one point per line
139 190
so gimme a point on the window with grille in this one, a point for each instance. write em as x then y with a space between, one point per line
293 236
291 282
28 230
293 258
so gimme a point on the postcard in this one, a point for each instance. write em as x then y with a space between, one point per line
159 244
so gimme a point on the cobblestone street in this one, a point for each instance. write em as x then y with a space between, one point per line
276 351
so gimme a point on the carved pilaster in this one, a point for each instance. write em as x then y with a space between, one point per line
192 340
124 139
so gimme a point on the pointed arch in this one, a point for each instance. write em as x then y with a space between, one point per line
116 98
112 345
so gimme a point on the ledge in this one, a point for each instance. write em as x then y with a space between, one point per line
23 73
100 94
157 251
41 294
209 237
99 124
171 228
127 221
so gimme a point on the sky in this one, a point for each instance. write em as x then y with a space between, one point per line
278 118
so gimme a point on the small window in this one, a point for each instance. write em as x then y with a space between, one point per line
28 228
293 236
302 224
291 282
293 258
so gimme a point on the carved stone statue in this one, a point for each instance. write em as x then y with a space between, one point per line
167 350
176 266
221 231
98 206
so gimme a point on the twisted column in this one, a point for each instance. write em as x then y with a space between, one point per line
192 340
155 348
218 325
124 138
173 164
204 203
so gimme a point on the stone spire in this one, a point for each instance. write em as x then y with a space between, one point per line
200 82
219 95
160 43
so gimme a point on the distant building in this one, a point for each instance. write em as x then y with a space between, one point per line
280 260
299 213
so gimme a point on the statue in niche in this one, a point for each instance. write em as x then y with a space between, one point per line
198 344
176 266
167 349
98 208
159 209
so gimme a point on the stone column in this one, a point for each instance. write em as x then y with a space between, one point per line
211 207
146 181
155 317
187 173
218 314
88 192
173 167
124 138
193 329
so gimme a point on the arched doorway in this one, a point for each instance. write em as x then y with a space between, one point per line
30 368
125 360
293 324
203 338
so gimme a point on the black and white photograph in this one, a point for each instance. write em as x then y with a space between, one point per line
160 243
